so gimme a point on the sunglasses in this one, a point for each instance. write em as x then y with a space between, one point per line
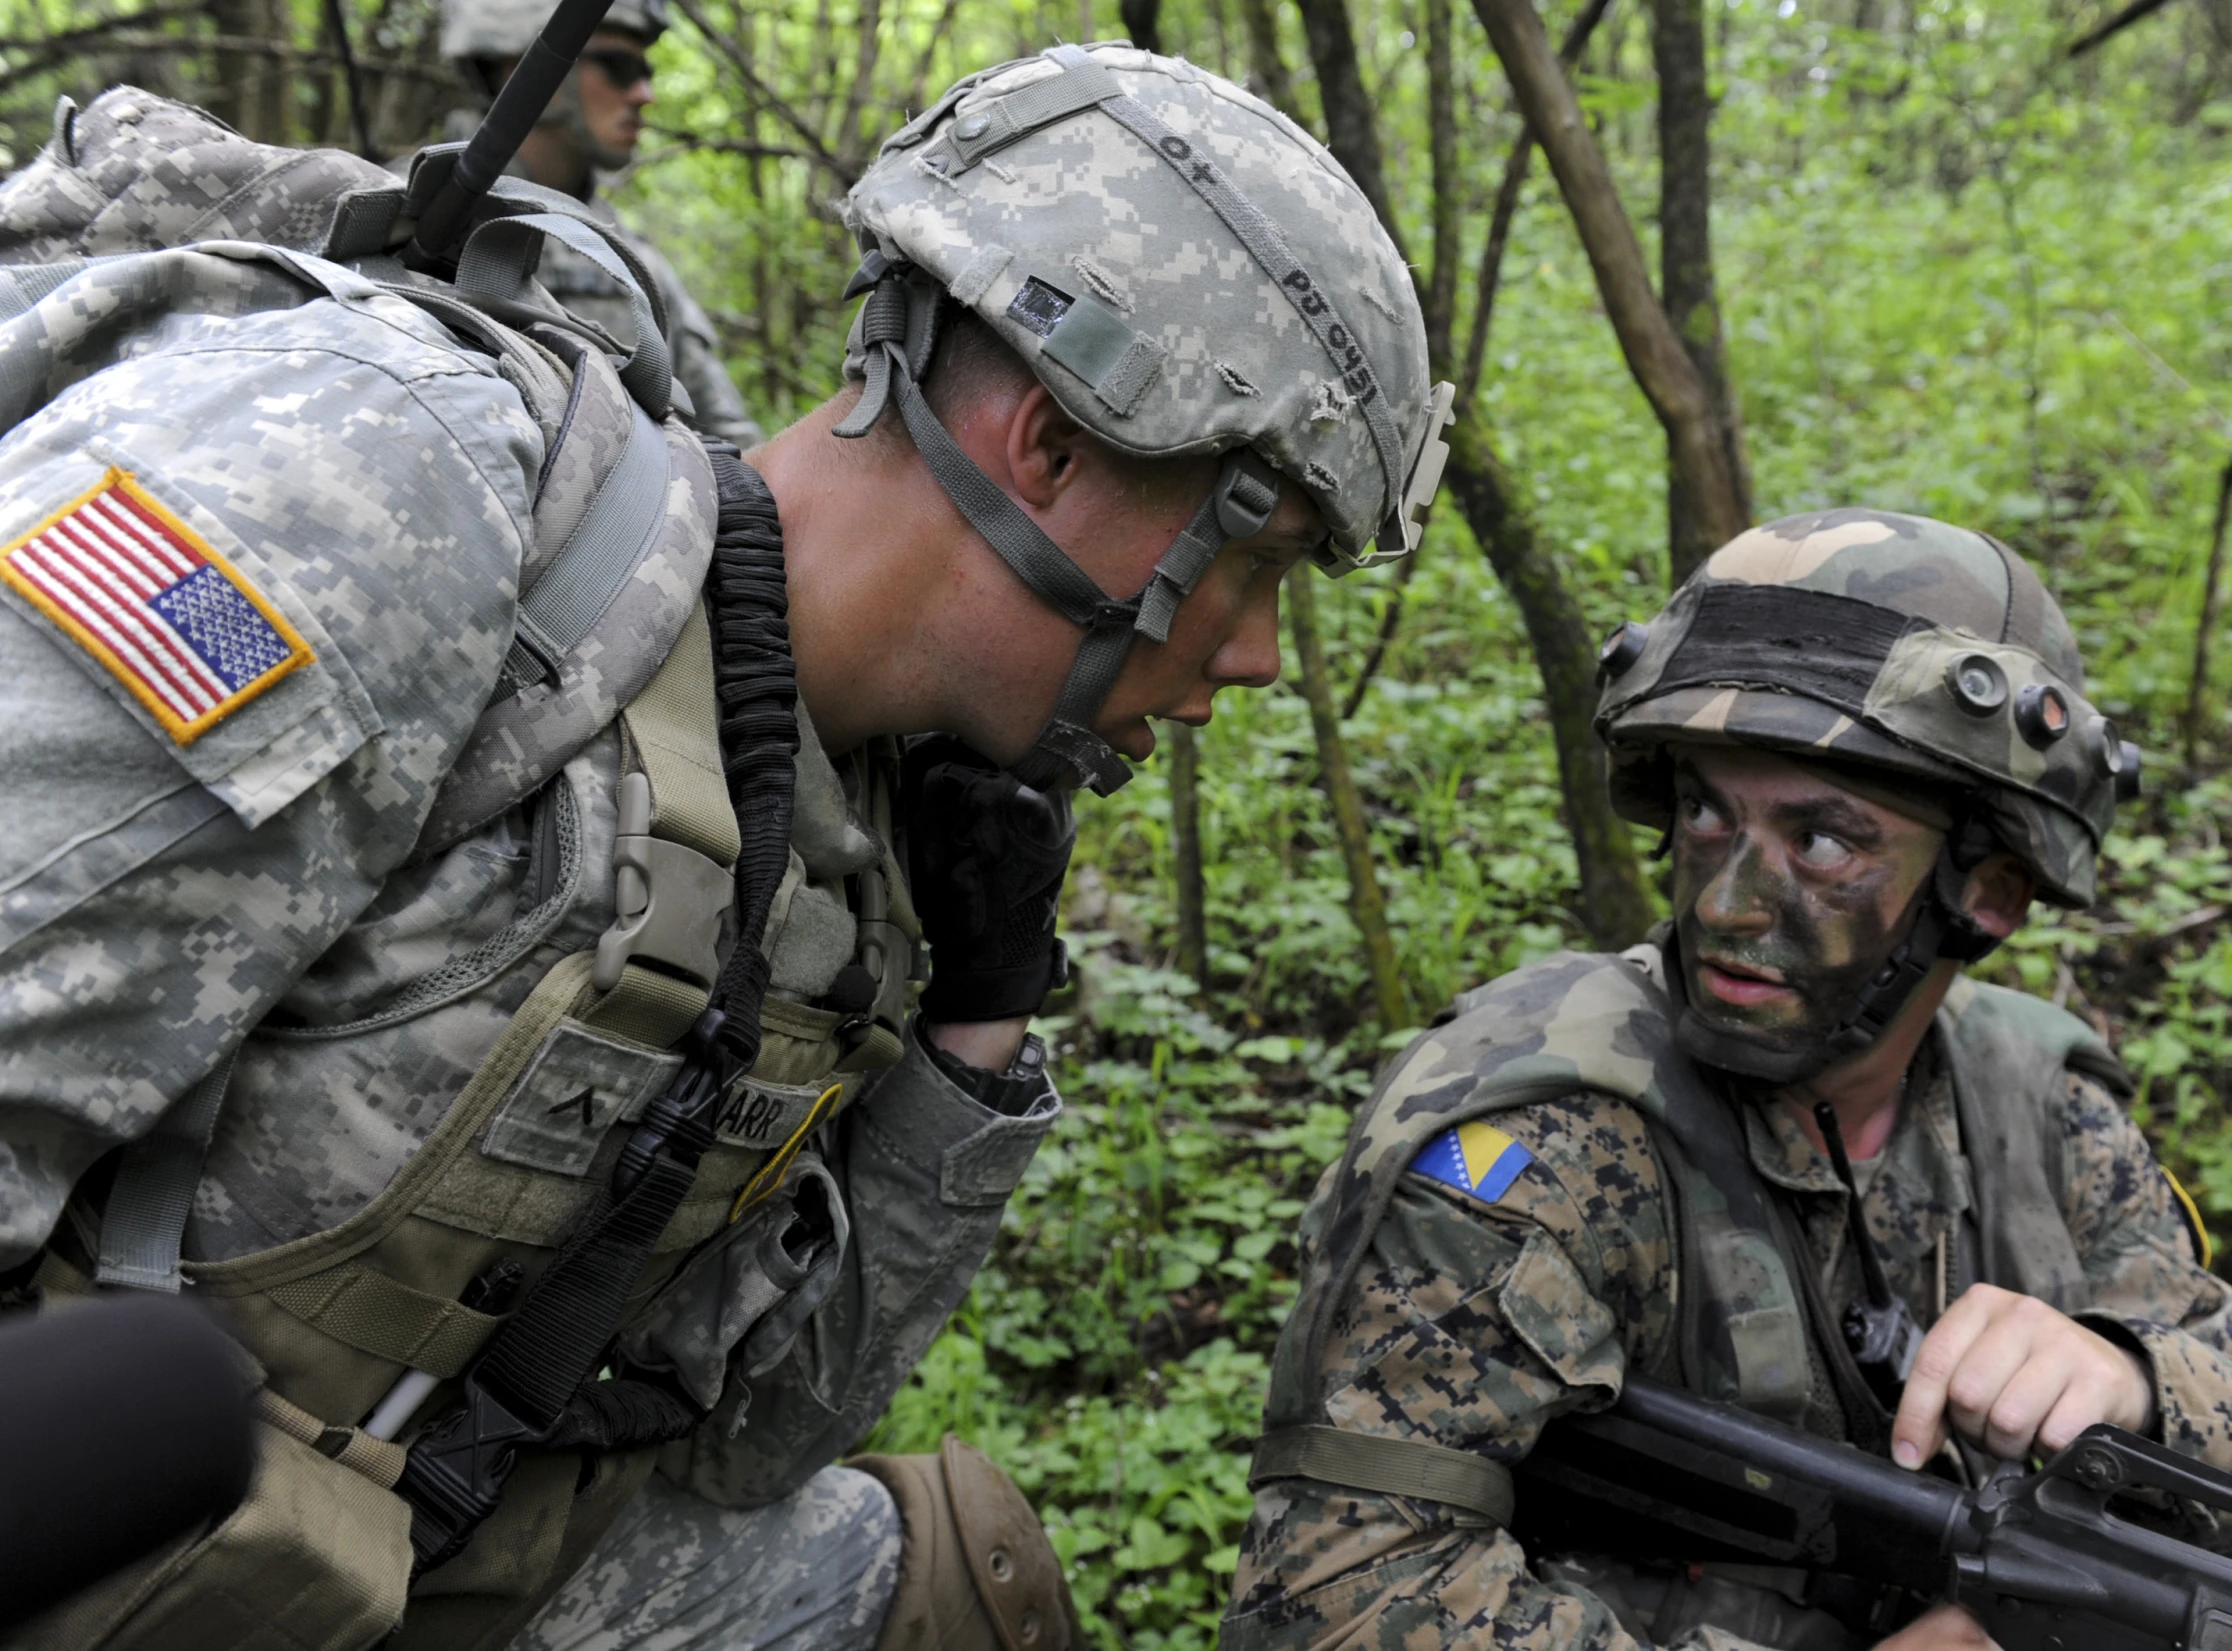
623 69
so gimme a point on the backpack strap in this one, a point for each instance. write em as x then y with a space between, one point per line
655 968
145 1218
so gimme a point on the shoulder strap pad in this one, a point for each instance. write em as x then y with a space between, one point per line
2009 1051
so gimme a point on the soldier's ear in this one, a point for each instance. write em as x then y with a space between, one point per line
1044 445
1998 894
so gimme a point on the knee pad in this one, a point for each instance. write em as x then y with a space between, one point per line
976 1572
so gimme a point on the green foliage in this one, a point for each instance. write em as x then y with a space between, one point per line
1956 280
1958 275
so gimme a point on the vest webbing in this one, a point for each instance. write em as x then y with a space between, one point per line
670 727
1579 1023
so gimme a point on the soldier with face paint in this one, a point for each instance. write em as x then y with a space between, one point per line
1785 1155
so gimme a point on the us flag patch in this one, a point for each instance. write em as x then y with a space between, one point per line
179 626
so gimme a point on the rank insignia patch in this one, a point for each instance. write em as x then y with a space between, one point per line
1476 1158
179 626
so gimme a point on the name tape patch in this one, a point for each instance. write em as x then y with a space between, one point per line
1476 1158
180 627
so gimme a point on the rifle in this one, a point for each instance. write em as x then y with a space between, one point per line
2052 1560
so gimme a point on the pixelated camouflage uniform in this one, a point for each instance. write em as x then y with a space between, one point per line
1429 1314
333 899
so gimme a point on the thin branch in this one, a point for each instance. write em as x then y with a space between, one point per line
1513 186
1142 23
845 172
93 35
1390 622
360 119
680 143
2115 25
1185 853
1440 293
245 45
1661 367
864 71
1367 903
921 77
1350 130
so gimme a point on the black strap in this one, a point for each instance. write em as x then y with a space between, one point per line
520 1391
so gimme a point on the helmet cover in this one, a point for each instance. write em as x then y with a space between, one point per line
1890 642
1154 322
474 29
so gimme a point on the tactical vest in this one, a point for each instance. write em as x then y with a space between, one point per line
610 627
1743 1331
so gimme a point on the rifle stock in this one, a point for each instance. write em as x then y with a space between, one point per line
2043 1560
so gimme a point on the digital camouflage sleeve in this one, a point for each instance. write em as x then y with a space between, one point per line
1473 1325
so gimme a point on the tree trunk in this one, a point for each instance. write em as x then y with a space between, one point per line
1615 902
1367 905
1662 367
1685 113
1265 66
1142 22
252 87
1439 300
1349 128
1185 852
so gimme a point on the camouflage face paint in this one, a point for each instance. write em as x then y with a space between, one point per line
1790 893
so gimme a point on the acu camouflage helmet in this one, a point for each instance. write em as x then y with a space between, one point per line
1893 642
474 30
1187 273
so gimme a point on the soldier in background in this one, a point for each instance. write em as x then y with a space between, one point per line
592 126
1866 739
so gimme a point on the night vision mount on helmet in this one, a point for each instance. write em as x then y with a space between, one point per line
1877 641
1187 273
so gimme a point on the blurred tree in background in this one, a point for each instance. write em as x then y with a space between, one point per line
1935 263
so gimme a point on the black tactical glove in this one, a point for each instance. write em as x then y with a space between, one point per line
986 855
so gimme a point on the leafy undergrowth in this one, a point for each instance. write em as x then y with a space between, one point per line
1944 295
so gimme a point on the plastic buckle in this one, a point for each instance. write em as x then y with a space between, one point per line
669 900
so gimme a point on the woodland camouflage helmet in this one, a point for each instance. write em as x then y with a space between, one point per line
1871 639
1187 273
1925 653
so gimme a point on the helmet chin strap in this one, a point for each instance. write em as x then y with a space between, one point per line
1941 928
898 326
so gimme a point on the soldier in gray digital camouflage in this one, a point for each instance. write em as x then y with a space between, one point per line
592 127
1866 739
470 841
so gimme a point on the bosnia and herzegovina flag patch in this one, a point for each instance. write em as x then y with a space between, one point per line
1475 1158
180 627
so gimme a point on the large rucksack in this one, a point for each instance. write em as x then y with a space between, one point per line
141 211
